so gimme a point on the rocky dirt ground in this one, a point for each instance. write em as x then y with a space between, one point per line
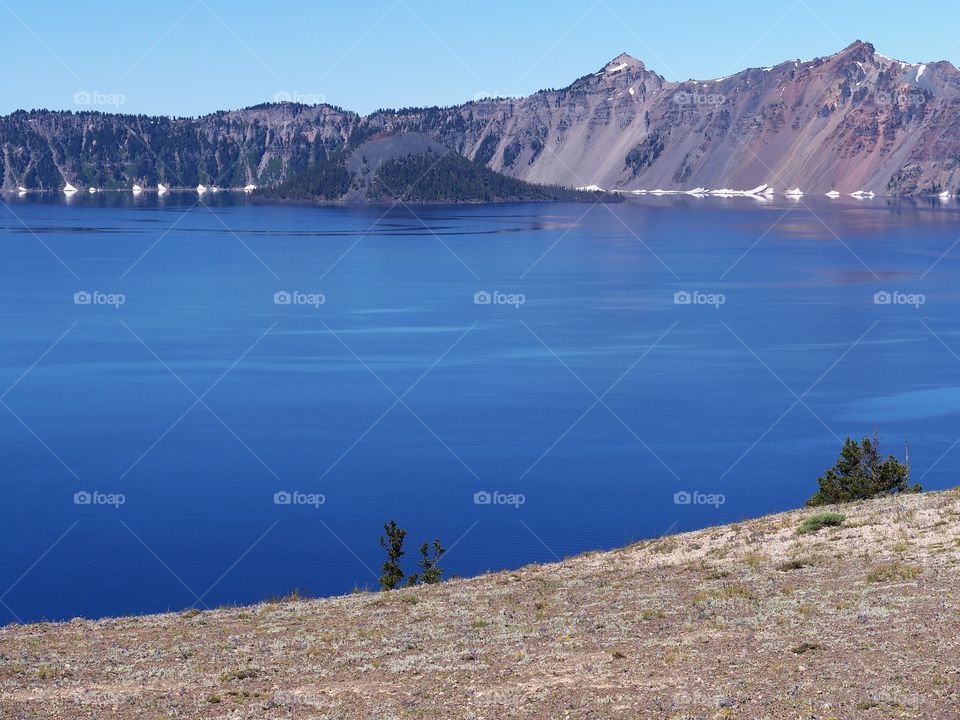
749 620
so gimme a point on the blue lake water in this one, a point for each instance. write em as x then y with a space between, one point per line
586 385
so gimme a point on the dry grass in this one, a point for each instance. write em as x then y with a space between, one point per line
892 572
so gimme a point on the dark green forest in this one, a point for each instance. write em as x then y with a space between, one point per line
454 178
327 179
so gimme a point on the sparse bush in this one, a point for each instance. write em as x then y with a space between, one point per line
430 570
393 543
860 474
393 574
732 591
794 564
820 520
717 574
892 571
295 595
242 674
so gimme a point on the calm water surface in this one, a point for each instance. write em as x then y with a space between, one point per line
597 399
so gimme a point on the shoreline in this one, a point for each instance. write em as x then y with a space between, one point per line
614 196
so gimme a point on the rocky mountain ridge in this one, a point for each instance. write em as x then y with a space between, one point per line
855 120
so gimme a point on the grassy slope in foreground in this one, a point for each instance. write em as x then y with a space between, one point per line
750 620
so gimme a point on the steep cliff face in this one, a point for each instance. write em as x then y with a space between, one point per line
851 121
42 150
855 120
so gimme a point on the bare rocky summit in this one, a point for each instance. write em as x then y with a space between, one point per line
852 121
750 620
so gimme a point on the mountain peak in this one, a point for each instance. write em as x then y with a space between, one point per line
858 47
623 61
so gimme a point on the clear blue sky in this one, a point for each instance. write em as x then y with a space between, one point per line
188 57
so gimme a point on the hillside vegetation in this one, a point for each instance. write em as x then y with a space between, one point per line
454 178
412 168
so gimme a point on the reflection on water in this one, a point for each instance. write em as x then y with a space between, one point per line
912 405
